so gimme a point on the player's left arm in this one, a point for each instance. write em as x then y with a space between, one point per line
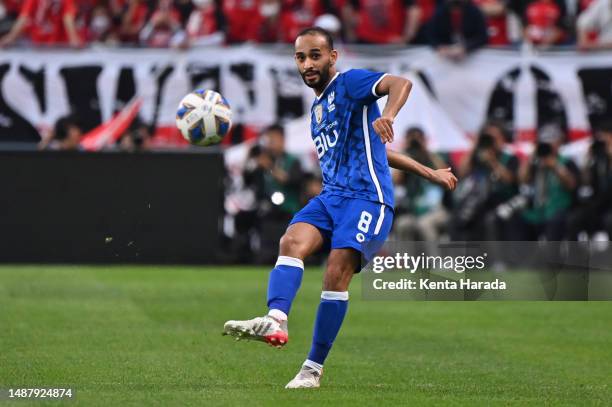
443 176
398 89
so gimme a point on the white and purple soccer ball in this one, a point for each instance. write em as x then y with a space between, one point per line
204 117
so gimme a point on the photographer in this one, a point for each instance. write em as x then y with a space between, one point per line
550 182
420 209
488 177
275 177
66 136
596 194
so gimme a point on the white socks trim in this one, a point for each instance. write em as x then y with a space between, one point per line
289 261
335 295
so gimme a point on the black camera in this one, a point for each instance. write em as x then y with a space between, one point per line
598 148
415 145
485 141
543 150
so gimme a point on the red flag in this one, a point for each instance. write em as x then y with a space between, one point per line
109 132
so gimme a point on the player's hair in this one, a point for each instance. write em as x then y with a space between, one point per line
318 31
276 128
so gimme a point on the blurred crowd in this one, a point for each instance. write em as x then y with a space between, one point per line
501 196
453 27
68 134
542 195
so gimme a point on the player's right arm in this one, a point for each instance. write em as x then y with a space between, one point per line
398 89
443 176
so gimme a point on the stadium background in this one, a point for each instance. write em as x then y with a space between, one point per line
509 69
93 171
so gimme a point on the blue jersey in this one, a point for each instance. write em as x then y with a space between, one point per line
353 158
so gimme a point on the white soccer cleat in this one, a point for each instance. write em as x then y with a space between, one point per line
306 378
264 329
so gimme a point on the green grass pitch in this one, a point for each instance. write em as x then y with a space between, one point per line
152 336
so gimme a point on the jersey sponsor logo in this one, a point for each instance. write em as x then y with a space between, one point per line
318 113
323 142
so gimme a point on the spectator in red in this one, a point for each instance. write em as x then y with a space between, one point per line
10 6
457 28
84 10
376 21
116 7
268 22
184 8
275 22
47 22
544 23
164 28
9 9
134 18
594 27
420 13
95 21
238 15
298 17
204 23
497 21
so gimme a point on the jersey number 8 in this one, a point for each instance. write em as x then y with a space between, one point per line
364 221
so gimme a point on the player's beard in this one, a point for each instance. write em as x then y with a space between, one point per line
321 82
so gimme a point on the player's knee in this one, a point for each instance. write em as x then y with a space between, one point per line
291 246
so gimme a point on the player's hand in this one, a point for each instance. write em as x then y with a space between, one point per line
445 178
384 127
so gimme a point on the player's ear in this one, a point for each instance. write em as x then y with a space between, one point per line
333 56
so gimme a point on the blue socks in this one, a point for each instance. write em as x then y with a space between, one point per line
330 315
284 282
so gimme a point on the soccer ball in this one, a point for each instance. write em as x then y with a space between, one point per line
204 117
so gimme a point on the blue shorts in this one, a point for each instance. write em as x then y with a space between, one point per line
348 222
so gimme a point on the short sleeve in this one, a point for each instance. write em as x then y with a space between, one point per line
361 84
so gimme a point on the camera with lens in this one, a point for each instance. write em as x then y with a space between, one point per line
415 145
598 149
485 143
543 150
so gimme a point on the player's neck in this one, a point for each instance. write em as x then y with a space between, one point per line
332 74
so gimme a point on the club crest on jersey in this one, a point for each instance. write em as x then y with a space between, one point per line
330 101
331 96
318 113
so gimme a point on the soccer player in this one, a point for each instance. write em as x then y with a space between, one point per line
353 214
